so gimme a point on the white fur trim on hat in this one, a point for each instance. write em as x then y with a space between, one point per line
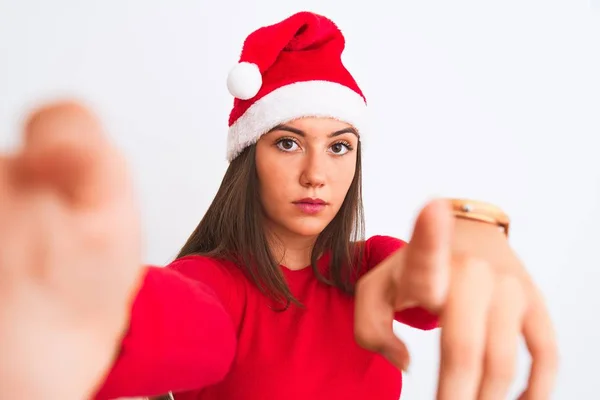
293 101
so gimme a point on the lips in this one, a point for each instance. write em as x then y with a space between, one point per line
310 205
310 200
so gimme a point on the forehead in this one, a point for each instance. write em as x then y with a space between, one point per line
315 126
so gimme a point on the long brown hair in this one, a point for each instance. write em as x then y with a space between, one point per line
232 229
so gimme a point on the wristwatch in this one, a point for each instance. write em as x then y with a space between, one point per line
480 211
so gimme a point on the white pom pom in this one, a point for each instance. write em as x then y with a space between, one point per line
244 80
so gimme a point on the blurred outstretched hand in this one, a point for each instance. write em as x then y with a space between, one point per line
70 259
467 273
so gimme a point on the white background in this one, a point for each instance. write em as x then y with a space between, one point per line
500 102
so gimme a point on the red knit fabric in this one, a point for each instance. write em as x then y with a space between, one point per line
199 328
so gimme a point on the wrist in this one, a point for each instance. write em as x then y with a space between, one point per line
479 215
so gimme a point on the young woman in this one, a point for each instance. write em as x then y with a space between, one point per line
275 295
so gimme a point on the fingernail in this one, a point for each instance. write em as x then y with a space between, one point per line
401 363
405 365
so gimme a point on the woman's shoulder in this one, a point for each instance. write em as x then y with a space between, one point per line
384 243
201 267
379 247
221 277
384 240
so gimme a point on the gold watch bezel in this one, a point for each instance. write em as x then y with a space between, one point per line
480 211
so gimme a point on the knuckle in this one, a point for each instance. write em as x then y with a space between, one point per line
475 268
508 286
366 338
500 365
460 354
470 262
429 290
424 285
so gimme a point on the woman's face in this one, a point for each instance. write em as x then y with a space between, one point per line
305 168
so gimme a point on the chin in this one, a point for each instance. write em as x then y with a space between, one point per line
307 227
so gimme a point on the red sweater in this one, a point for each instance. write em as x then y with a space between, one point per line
201 329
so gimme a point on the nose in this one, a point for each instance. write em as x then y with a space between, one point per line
314 170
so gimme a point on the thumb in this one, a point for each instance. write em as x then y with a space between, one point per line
66 150
425 276
373 327
395 350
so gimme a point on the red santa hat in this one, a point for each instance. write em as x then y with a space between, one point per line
289 70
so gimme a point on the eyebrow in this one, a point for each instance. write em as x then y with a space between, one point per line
303 134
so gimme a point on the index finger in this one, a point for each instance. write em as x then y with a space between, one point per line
425 277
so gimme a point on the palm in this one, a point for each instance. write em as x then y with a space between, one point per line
70 257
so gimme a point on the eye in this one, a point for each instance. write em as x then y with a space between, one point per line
287 144
340 148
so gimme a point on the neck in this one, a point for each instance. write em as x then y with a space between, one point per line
292 251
